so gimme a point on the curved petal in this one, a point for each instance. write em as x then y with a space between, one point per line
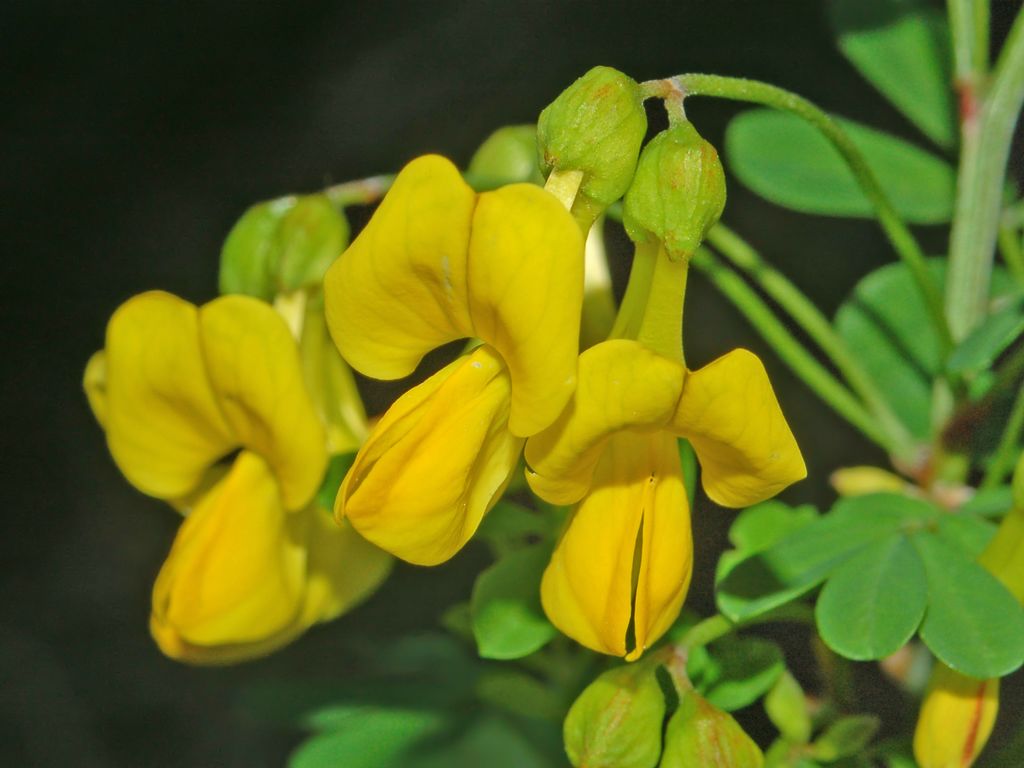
622 384
634 519
526 297
435 463
729 414
164 426
343 568
956 719
400 289
94 381
236 573
253 364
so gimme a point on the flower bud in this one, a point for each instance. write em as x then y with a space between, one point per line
956 719
678 192
596 126
507 156
857 481
700 734
281 246
616 722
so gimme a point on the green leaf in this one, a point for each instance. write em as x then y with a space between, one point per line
337 468
805 558
786 707
991 502
519 693
489 740
973 623
508 620
759 527
886 322
371 739
986 342
510 525
967 532
616 722
245 257
845 737
902 48
788 161
873 603
738 671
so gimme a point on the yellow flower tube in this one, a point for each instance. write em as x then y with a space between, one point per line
178 389
437 263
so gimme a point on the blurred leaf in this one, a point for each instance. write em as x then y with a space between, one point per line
337 468
508 620
973 623
245 257
845 737
376 739
616 722
786 707
458 620
489 741
517 692
874 602
902 48
896 753
991 502
788 161
759 527
886 321
967 532
510 525
738 671
803 559
986 342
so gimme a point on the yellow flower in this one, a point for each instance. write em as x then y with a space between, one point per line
955 720
623 563
178 390
437 263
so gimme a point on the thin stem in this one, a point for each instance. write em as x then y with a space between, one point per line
717 626
986 134
799 360
661 325
627 321
359 192
903 241
1006 451
815 324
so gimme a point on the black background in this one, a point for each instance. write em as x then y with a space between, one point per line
131 137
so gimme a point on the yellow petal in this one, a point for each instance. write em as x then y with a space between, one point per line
635 519
400 288
95 384
253 363
621 385
956 719
343 568
164 426
236 573
435 463
526 296
729 414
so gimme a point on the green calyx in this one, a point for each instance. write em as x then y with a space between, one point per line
678 192
596 126
507 156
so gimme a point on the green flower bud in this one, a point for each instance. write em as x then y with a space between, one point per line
616 721
310 236
596 126
700 734
281 246
678 192
246 253
507 156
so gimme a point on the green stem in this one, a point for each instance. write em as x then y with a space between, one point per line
717 626
818 328
661 325
627 321
968 24
987 126
903 241
1006 452
799 360
359 192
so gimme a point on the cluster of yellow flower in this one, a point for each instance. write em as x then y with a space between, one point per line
257 561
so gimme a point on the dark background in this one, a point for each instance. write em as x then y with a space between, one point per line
132 135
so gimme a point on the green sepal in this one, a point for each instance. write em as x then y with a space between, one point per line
310 236
245 257
507 156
